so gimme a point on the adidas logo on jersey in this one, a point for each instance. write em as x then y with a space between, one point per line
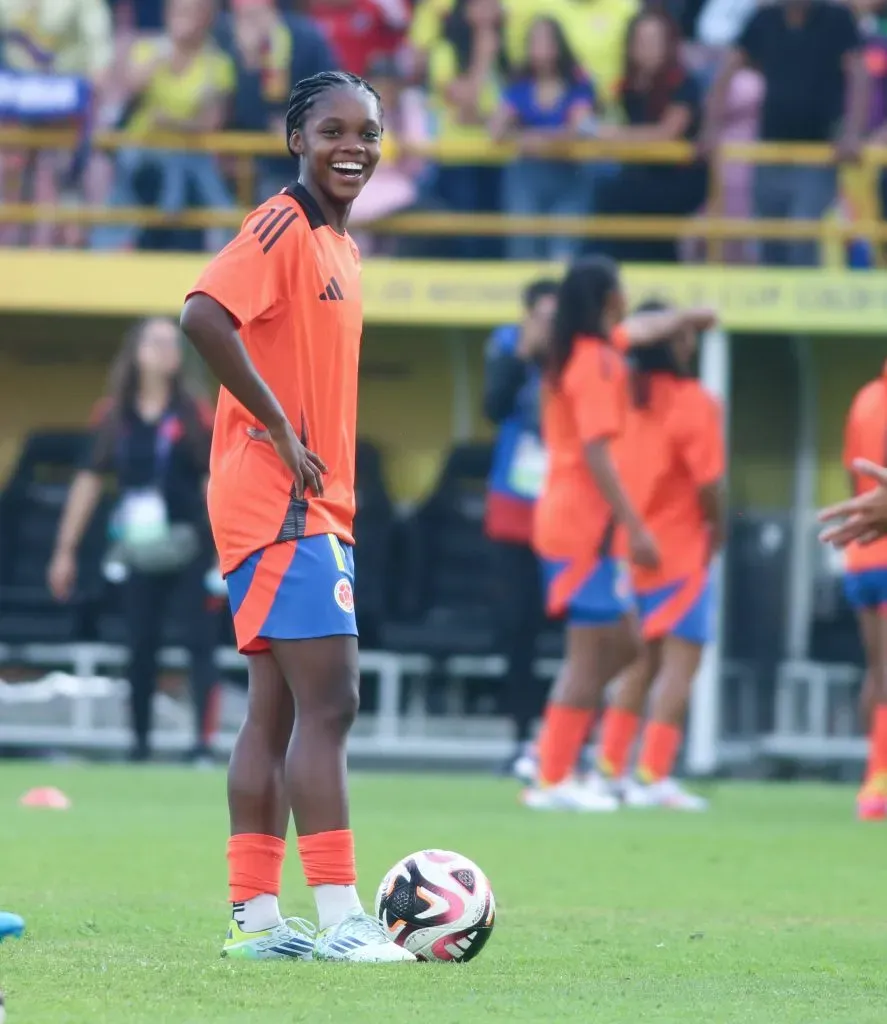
332 293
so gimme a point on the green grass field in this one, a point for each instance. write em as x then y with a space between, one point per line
772 909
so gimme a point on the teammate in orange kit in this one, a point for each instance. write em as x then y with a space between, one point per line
675 426
865 584
588 495
277 315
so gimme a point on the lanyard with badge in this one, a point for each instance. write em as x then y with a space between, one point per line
144 539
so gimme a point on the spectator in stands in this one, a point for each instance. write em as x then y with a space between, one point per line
595 30
661 102
549 99
70 38
467 67
152 435
138 15
515 354
270 52
362 32
810 54
179 83
396 185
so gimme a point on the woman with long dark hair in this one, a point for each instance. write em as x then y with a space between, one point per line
151 434
548 100
588 506
660 102
677 425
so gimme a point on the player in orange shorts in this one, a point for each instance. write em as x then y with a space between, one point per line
675 425
587 495
277 316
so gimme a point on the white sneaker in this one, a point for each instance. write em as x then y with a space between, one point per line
360 938
599 785
665 793
569 796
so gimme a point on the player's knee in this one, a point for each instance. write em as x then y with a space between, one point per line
338 710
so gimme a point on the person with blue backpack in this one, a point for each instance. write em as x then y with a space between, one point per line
512 384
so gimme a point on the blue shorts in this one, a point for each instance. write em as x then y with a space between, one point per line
295 590
866 589
684 609
599 597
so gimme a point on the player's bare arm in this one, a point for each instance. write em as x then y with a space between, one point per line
648 328
600 464
863 518
210 329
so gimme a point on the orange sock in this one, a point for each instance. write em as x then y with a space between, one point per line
255 863
618 731
659 749
877 764
328 858
564 731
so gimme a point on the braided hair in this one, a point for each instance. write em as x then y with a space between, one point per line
306 92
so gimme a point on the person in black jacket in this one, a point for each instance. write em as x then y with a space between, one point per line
152 436
511 401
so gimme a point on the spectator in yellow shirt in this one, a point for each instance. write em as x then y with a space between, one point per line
180 82
50 37
595 31
466 69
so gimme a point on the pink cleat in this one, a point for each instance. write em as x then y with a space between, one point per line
871 803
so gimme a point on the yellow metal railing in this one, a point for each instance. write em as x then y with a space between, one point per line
245 147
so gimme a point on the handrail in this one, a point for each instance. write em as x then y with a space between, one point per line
479 224
446 151
245 147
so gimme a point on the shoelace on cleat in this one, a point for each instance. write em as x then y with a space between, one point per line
364 927
299 924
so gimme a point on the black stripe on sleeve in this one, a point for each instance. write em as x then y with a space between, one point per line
272 224
264 220
291 219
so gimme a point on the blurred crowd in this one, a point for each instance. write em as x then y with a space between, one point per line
467 71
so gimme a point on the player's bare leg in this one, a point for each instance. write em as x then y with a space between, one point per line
324 678
594 655
259 812
664 730
872 799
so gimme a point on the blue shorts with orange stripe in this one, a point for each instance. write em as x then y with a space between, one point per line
684 609
866 589
598 596
294 590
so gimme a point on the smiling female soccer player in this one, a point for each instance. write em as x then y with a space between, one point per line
278 316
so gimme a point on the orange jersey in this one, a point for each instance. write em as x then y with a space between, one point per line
865 437
676 447
590 403
292 285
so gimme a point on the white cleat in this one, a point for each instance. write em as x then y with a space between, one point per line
667 793
599 785
360 938
292 939
569 796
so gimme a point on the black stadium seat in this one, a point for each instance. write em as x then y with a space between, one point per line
30 508
446 600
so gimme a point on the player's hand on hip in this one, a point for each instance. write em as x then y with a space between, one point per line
307 467
863 518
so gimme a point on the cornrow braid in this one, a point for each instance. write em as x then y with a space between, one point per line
305 94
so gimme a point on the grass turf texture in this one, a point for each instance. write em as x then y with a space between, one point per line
771 908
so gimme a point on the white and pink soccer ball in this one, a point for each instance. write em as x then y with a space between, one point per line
438 905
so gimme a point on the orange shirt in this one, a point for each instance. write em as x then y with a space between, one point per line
865 437
676 444
589 403
292 285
